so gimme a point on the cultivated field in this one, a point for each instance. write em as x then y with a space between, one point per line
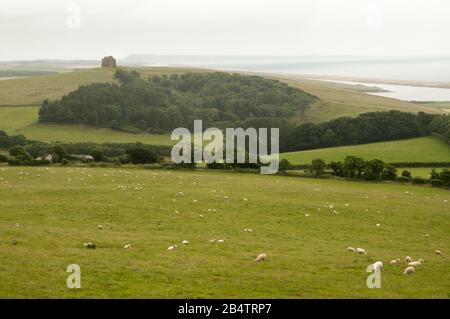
423 149
24 120
304 226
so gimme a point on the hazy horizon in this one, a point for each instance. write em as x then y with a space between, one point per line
86 29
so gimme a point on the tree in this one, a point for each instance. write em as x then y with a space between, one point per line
353 166
318 166
142 156
59 153
284 165
337 169
4 140
20 154
434 174
406 174
389 173
373 169
97 154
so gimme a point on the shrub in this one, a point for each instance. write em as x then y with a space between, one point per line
318 166
97 154
284 165
20 153
406 173
418 180
3 159
64 162
436 183
403 179
389 173
142 156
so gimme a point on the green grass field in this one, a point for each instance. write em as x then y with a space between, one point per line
337 100
50 213
423 149
24 120
34 90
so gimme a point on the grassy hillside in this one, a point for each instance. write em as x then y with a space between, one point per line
423 149
50 213
34 90
23 120
338 100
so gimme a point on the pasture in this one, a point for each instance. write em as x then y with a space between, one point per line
335 100
422 150
24 120
303 225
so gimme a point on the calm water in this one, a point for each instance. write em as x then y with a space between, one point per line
412 69
404 92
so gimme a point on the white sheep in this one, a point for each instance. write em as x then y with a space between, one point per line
378 266
172 247
351 249
185 242
438 252
261 258
221 241
127 246
408 271
361 251
395 261
100 227
416 263
408 259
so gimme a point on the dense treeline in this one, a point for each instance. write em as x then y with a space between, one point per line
26 152
366 128
354 167
440 126
162 103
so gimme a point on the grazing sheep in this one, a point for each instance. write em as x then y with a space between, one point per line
172 247
221 241
408 271
185 242
408 259
353 250
416 263
395 261
100 227
127 246
438 252
361 251
261 258
378 266
90 245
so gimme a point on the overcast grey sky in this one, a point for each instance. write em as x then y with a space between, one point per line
36 29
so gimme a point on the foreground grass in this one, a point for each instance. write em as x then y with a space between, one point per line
24 120
422 150
57 210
